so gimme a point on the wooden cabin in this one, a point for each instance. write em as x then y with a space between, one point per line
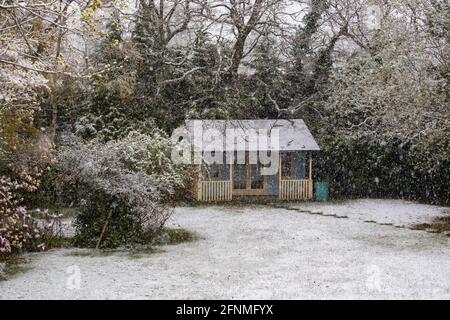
242 171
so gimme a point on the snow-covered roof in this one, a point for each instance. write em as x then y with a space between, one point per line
292 135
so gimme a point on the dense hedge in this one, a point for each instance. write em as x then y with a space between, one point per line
362 168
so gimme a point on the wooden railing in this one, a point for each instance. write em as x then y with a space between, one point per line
296 189
215 190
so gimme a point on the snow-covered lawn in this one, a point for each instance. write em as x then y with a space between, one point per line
259 252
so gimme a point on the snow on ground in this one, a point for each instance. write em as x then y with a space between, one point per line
254 252
396 212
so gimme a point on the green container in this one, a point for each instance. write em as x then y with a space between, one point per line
322 190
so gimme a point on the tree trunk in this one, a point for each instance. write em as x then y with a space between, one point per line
238 52
54 107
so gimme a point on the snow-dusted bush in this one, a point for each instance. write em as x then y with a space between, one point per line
387 125
128 180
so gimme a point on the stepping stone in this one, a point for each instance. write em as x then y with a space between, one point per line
330 214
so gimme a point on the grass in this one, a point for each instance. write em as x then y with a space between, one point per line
11 265
15 263
171 236
134 253
439 224
59 242
166 236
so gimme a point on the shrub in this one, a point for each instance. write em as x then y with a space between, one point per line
25 154
125 184
19 229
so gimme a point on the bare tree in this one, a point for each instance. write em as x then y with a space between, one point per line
243 18
34 45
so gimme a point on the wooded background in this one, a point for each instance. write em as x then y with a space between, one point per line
370 79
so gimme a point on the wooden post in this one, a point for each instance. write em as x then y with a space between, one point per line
248 173
310 176
279 174
310 166
105 226
198 182
231 175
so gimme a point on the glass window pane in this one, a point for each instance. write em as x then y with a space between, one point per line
286 165
256 177
239 171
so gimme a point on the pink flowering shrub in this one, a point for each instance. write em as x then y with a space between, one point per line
19 229
25 154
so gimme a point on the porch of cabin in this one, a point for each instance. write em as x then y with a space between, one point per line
236 179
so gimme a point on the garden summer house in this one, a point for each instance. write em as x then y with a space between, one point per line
252 158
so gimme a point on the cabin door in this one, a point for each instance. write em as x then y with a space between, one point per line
247 178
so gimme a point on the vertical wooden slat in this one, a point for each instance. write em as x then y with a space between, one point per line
310 165
300 188
294 183
303 189
288 189
306 188
293 190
